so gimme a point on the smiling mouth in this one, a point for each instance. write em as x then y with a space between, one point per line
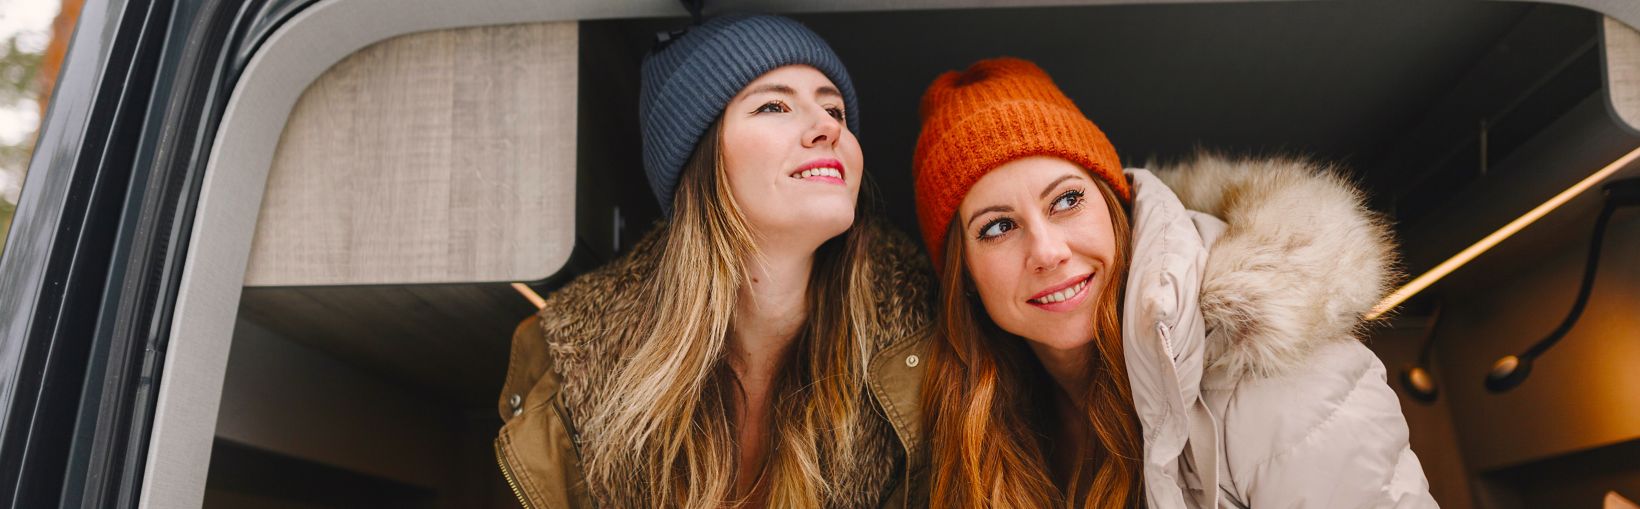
818 172
1063 294
829 170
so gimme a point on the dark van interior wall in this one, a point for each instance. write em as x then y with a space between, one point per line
1571 432
1342 81
1560 432
301 428
1430 425
1560 439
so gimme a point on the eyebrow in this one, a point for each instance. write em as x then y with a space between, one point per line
1055 183
771 87
1005 208
778 88
981 212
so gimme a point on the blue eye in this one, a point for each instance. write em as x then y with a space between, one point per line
996 228
1070 200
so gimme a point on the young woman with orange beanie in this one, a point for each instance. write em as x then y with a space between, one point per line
1177 338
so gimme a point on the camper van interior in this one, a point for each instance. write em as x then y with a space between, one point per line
383 202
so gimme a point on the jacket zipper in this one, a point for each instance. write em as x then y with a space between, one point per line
508 475
569 427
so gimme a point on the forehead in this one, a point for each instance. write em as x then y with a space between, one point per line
799 77
1018 180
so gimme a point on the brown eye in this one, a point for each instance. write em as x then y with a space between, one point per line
772 107
996 228
836 113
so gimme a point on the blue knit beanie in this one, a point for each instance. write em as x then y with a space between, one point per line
688 83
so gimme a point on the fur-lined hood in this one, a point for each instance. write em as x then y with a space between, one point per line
1248 280
1301 260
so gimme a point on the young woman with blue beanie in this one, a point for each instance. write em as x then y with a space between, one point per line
743 353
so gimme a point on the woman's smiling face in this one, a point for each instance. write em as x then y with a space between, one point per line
792 164
1039 247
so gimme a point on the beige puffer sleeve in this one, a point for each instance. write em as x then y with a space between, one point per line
1330 434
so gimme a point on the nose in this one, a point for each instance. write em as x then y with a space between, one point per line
1048 250
824 130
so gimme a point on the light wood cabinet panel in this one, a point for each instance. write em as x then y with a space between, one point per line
445 156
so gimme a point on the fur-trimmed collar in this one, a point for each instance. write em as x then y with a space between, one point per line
586 329
1302 260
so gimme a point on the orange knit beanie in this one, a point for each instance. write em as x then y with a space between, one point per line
997 111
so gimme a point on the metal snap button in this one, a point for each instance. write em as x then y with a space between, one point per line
911 361
515 401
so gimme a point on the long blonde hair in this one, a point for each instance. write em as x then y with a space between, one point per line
988 401
662 435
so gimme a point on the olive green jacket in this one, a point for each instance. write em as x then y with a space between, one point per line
561 356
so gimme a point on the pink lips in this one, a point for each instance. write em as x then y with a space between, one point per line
822 163
1069 303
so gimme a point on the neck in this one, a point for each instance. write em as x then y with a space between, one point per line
1070 369
769 310
1073 436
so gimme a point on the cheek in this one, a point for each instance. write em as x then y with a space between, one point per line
1094 238
1099 250
989 270
746 150
849 151
746 161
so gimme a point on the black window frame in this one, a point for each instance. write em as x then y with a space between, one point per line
100 237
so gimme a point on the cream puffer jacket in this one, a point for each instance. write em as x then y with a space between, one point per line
1246 290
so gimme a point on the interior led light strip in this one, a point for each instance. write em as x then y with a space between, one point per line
1429 278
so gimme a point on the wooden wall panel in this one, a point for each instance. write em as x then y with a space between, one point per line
444 156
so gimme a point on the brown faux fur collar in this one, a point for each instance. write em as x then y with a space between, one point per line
581 321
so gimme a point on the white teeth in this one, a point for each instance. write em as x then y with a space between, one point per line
1061 295
819 172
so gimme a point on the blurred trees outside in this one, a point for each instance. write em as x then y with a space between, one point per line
28 73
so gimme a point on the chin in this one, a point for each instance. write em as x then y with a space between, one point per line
832 225
819 223
1062 334
1059 340
834 216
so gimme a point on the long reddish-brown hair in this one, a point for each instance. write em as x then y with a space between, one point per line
989 403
